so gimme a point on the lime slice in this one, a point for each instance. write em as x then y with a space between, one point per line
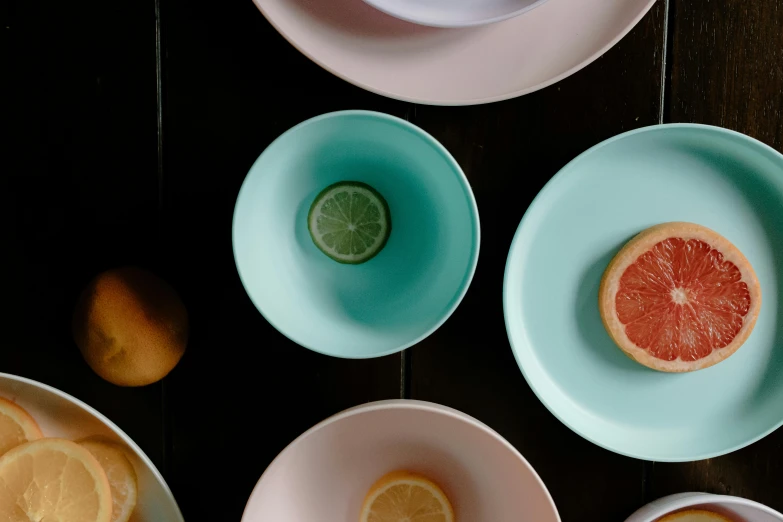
349 222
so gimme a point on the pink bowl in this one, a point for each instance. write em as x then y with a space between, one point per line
325 473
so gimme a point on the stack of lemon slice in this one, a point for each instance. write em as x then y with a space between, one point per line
58 479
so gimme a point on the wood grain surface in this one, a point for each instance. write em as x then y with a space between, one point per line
726 61
100 170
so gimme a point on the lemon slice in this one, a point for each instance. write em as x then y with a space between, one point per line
349 222
695 515
16 426
53 479
121 475
402 496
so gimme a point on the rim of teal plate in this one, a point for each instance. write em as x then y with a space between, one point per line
466 188
543 194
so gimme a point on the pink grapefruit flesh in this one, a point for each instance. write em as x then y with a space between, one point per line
679 297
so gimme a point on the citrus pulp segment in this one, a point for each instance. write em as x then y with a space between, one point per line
679 297
402 496
350 222
121 475
16 426
53 479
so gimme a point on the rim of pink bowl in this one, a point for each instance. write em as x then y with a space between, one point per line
400 404
474 101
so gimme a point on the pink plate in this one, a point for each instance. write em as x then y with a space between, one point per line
453 66
326 473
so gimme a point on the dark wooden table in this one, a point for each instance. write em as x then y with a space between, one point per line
131 126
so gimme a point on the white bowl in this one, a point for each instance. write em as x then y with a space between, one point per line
454 13
325 473
60 415
739 509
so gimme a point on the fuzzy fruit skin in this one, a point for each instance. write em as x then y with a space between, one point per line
130 326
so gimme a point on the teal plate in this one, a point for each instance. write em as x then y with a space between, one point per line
592 207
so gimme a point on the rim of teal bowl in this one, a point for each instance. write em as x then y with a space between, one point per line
550 185
475 247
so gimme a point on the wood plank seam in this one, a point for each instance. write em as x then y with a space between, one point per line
664 60
165 431
159 93
667 61
406 355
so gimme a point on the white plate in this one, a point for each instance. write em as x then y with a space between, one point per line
60 415
454 13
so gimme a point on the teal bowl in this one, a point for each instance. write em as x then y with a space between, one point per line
395 299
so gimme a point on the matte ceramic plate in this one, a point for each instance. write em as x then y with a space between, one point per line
453 66
707 175
454 13
60 415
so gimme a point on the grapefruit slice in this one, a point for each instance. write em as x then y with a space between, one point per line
679 297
